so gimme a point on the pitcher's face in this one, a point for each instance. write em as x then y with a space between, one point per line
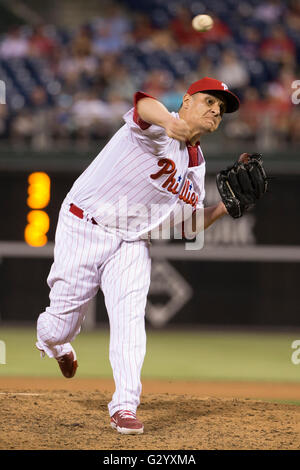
203 112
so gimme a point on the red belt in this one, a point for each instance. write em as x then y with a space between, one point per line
79 213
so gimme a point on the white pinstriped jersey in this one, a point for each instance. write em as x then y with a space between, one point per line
139 179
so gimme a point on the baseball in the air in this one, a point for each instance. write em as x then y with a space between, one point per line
202 23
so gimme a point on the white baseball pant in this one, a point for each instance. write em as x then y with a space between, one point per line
87 257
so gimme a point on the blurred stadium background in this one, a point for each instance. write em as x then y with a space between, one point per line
69 70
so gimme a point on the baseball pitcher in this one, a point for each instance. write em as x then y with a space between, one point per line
154 160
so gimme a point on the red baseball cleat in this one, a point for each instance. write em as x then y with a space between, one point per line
68 364
125 422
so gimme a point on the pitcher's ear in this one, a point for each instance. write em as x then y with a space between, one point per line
186 101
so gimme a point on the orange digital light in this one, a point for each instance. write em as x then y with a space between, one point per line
35 233
38 190
38 226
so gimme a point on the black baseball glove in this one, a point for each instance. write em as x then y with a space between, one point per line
241 185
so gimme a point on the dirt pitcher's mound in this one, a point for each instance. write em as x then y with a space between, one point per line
225 389
61 419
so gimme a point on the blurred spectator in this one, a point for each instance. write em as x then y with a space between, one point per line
106 70
39 99
121 84
42 114
70 85
94 118
219 33
232 71
117 108
142 27
205 68
172 99
63 128
88 109
22 128
250 42
184 34
270 11
278 47
163 40
77 66
105 42
14 45
118 20
262 120
81 45
292 16
111 33
40 45
276 116
251 111
32 126
158 82
282 87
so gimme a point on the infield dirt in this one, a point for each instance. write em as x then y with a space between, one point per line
72 414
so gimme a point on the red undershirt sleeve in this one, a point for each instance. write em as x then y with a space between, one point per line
137 96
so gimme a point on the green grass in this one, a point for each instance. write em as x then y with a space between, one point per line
284 402
170 355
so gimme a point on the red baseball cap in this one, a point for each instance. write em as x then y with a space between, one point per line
211 84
